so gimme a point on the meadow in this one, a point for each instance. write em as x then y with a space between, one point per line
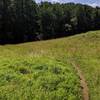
43 71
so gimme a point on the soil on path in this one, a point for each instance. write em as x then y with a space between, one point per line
83 83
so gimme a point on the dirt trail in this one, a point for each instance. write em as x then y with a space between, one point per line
85 91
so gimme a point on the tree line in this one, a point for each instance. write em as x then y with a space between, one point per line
25 20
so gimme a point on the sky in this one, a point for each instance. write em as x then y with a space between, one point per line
93 3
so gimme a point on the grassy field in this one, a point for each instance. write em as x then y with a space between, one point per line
42 70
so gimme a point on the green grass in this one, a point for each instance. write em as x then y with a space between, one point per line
37 79
42 70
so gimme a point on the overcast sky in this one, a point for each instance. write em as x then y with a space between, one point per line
89 2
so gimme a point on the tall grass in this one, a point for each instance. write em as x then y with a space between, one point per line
84 49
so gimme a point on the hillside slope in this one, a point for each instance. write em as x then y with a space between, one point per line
84 49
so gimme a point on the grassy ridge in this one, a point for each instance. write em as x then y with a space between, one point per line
84 49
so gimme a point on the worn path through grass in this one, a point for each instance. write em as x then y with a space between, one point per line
83 83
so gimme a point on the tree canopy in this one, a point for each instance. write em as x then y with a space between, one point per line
24 20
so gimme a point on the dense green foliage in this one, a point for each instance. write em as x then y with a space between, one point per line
24 20
35 78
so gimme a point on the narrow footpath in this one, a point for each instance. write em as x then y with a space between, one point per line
83 83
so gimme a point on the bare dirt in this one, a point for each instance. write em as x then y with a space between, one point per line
83 83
